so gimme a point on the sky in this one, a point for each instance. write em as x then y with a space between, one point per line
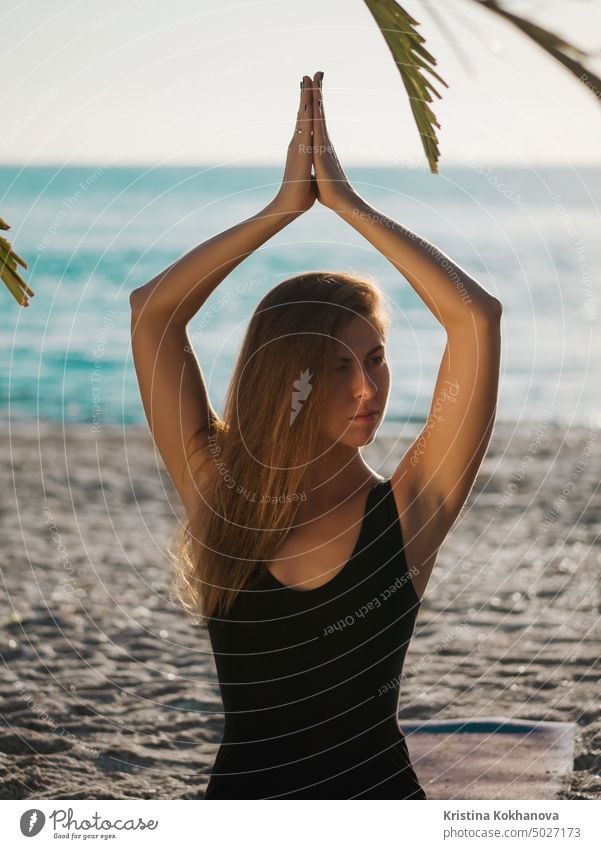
206 81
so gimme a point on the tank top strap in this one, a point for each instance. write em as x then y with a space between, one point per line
382 514
384 533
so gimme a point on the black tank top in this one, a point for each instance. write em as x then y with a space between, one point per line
310 678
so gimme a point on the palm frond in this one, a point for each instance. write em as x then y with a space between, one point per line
569 55
413 60
8 269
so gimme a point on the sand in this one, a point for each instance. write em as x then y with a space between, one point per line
109 692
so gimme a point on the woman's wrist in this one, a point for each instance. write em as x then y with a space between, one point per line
283 210
348 203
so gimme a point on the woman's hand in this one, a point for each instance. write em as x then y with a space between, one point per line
333 187
298 191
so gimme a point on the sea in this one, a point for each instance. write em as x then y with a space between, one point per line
91 233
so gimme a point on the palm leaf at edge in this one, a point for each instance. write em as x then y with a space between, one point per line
412 60
8 269
567 54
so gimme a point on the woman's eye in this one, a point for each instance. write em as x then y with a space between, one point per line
378 360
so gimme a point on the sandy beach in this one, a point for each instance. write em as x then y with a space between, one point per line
109 692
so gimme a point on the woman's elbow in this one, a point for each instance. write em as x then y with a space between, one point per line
135 300
497 307
491 309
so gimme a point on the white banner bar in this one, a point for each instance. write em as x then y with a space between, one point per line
429 823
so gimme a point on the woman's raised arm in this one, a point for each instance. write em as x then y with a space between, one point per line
448 290
171 384
178 292
434 477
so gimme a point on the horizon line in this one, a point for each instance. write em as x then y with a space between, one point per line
408 166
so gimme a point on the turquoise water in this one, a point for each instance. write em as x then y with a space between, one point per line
91 234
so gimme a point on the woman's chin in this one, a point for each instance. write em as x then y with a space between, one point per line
359 439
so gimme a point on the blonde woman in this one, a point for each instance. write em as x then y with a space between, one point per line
307 567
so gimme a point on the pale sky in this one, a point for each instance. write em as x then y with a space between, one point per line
206 81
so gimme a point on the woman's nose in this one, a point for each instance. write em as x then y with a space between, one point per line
365 384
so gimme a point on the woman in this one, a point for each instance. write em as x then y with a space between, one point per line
308 567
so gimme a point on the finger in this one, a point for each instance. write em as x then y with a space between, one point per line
304 117
319 121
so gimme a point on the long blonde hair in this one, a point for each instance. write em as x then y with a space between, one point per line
270 431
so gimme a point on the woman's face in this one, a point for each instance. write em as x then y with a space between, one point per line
360 383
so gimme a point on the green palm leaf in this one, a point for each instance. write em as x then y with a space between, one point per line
8 269
412 60
567 54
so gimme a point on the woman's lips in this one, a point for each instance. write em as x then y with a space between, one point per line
370 418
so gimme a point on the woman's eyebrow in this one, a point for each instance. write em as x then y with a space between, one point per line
373 350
